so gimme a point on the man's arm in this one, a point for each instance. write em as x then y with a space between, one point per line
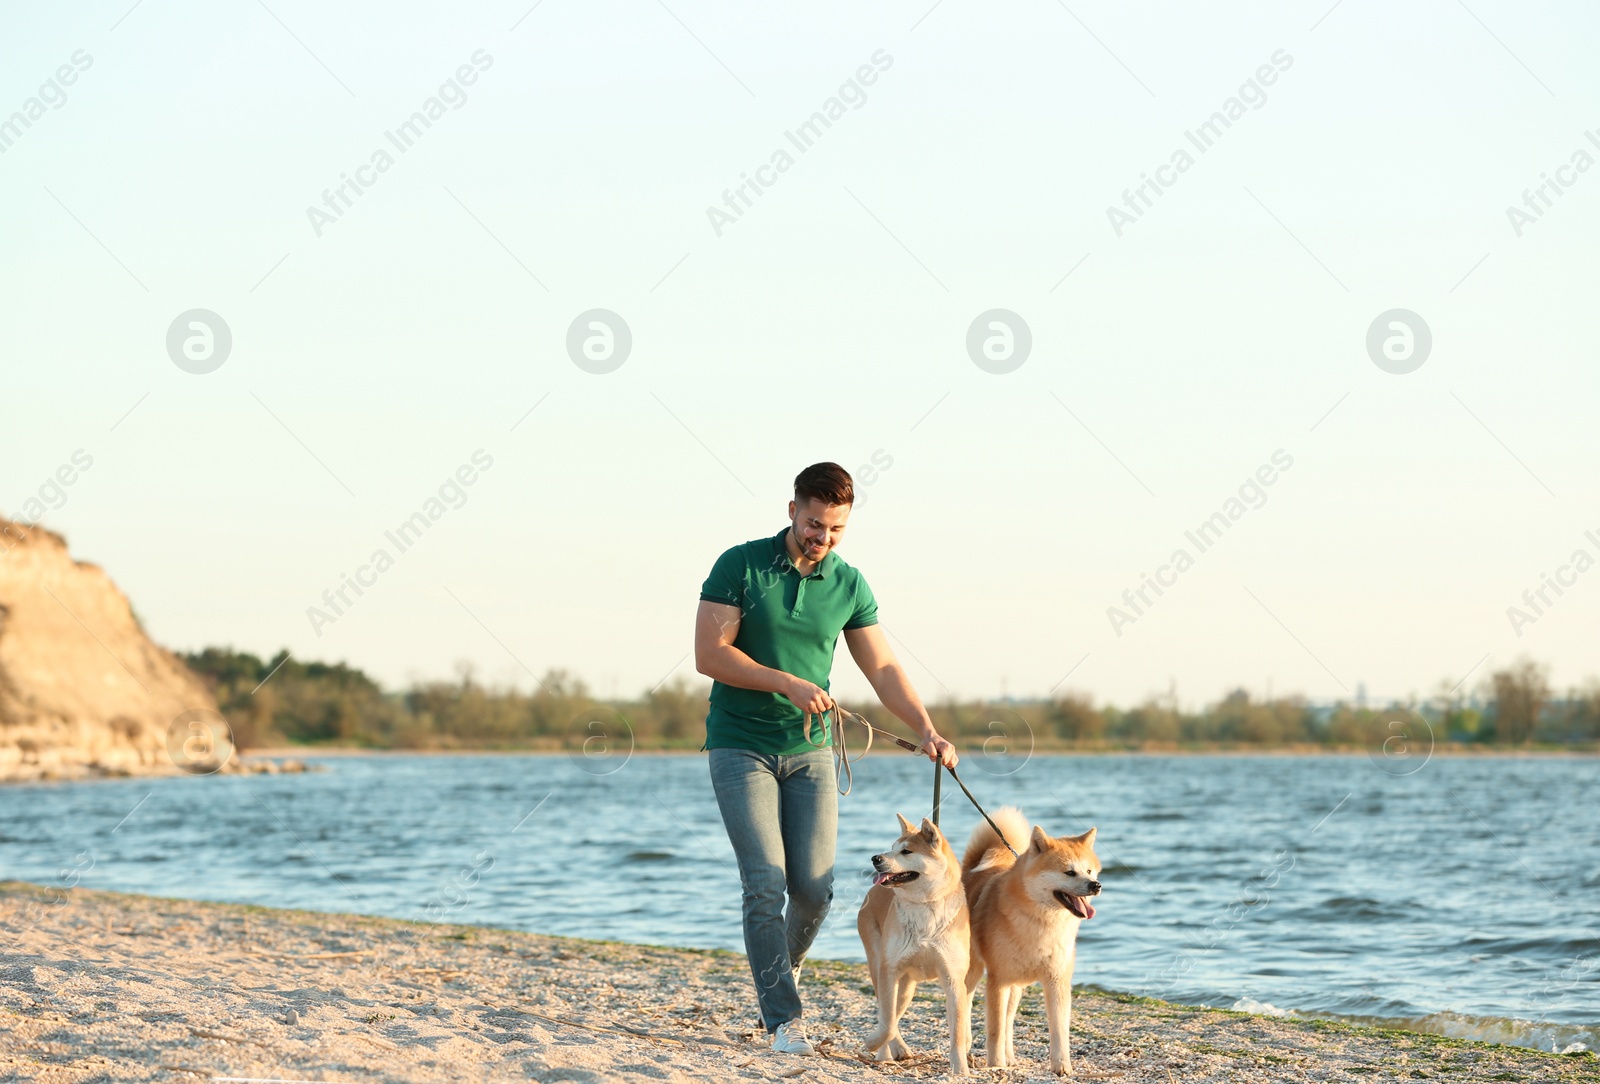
870 648
715 627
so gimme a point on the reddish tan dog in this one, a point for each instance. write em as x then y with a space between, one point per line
1025 914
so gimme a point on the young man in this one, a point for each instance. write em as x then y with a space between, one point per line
770 614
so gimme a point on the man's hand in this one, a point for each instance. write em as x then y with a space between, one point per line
808 697
936 748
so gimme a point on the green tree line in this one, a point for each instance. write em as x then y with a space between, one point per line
283 700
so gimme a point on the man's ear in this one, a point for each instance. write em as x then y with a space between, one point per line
1040 841
930 831
906 827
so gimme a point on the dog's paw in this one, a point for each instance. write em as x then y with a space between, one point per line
897 1048
1061 1067
882 1047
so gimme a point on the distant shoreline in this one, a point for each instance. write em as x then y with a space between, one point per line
966 754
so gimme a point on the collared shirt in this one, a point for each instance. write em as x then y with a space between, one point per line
789 622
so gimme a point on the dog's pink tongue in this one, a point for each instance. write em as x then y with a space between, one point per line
1088 908
879 878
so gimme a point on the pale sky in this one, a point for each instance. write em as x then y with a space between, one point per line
372 355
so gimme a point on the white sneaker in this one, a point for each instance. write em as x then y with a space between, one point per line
791 1038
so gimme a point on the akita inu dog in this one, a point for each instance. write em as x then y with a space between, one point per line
913 925
1025 914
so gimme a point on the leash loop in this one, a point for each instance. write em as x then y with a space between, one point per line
843 771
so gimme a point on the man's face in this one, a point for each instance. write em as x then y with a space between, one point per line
818 527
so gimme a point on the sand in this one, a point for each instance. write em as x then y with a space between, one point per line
100 986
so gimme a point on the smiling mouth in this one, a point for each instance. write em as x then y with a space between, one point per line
894 880
1076 904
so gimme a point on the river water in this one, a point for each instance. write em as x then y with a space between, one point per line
1458 895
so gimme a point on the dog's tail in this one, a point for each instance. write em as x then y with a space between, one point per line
984 849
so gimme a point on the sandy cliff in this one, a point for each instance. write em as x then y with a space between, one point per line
83 690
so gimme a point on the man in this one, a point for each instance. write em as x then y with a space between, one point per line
770 615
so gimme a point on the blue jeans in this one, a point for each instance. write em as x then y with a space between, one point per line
782 817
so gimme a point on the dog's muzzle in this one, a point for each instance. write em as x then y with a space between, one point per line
884 877
1076 905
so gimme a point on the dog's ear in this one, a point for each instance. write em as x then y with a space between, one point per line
930 831
1041 842
906 827
1087 839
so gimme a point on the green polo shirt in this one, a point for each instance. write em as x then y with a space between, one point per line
789 622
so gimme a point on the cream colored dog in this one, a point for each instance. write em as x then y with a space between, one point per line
913 925
1025 914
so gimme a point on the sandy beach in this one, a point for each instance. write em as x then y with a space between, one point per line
100 986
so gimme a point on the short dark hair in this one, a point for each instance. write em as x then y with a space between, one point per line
825 482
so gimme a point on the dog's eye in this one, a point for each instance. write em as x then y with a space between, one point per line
905 850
